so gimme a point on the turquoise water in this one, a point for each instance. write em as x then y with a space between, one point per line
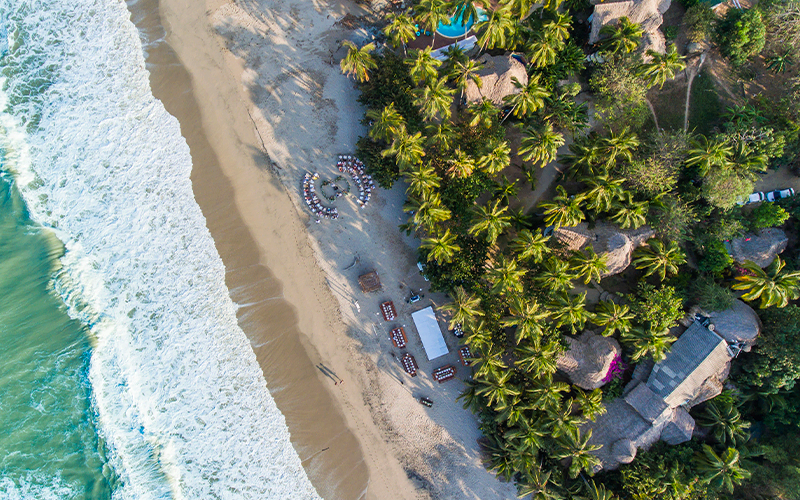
49 445
457 27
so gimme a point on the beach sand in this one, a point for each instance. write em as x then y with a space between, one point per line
260 103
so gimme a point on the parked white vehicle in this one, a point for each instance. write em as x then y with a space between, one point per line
753 198
779 194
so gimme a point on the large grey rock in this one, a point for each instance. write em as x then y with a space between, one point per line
587 359
760 248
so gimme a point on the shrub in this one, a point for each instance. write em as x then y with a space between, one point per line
620 95
662 307
768 215
699 20
711 296
741 34
715 258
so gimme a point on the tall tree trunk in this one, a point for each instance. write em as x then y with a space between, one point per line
653 112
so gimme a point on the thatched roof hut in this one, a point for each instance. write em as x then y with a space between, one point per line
615 243
497 79
761 248
647 13
588 359
739 324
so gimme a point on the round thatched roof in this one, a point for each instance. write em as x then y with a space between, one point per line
587 359
646 13
616 244
497 77
740 323
761 248
623 451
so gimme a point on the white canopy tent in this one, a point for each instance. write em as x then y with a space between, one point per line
430 333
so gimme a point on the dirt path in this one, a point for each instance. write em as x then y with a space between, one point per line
692 73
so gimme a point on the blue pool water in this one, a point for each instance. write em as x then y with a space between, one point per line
457 27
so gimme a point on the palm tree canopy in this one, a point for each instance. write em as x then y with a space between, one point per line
387 123
422 65
773 285
564 210
662 67
400 29
657 257
357 62
434 99
622 37
530 245
540 145
529 98
465 308
442 248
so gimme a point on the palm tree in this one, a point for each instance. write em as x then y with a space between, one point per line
443 247
528 316
570 310
720 471
465 72
725 422
492 221
358 62
421 179
545 394
466 12
530 245
774 286
662 67
529 98
562 419
422 65
441 135
470 398
591 403
536 359
535 485
505 191
603 191
622 37
492 371
706 154
588 264
564 210
542 49
432 13
434 99
585 157
540 144
484 114
558 27
646 341
427 210
494 30
630 214
596 491
505 277
779 62
620 145
460 165
465 308
400 30
571 445
497 390
613 317
387 123
656 257
407 149
496 157
555 275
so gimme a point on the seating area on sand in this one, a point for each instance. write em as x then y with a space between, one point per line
409 364
312 200
388 311
399 337
444 373
464 355
353 166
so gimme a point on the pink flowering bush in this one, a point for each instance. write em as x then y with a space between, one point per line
616 369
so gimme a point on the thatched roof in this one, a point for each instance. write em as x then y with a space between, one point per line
647 13
369 282
496 79
606 239
649 404
587 359
761 248
623 450
679 429
740 323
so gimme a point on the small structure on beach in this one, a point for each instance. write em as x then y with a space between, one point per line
430 333
609 240
497 79
588 359
760 248
370 282
646 13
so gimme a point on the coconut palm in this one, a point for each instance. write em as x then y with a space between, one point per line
421 179
540 360
647 341
432 13
460 164
603 192
629 213
427 210
725 422
563 419
434 99
773 285
484 114
558 27
407 149
622 37
400 30
540 144
706 154
442 248
505 277
544 394
530 245
465 72
613 317
465 308
542 49
528 436
357 62
490 220
493 32
779 62
469 397
479 337
662 67
588 265
572 445
657 257
505 191
564 210
569 310
591 403
555 275
441 135
496 157
720 471
422 65
585 157
497 390
529 98
386 124
466 11
618 145
595 491
528 316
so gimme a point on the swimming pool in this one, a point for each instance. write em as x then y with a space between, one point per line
457 28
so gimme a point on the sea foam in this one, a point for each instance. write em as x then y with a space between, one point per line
181 402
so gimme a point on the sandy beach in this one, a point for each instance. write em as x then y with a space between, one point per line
260 104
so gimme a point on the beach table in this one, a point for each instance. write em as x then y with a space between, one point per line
399 337
409 364
444 373
388 310
464 355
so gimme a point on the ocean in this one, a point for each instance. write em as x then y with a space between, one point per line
124 374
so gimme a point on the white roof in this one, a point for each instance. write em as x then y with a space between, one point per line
430 333
465 44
